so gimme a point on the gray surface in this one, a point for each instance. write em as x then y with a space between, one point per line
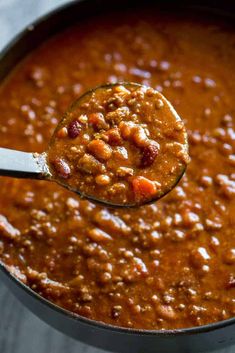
20 331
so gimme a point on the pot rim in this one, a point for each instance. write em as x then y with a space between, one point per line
70 315
118 329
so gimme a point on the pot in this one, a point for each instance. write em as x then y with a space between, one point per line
190 340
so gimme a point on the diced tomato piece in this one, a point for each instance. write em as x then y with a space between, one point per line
143 187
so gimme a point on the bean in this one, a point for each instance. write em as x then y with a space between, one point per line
74 128
139 136
98 235
100 149
166 312
63 132
126 128
102 179
62 168
149 154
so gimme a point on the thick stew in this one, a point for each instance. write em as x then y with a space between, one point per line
167 265
120 143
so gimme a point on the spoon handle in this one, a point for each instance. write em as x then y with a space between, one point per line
19 164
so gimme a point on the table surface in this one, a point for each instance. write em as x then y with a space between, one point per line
21 331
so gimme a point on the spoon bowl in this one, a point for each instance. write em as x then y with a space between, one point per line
120 145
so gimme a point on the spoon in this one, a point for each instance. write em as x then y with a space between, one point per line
110 130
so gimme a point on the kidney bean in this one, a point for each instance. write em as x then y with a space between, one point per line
149 154
74 129
62 168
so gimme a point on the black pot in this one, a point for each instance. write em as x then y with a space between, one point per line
191 340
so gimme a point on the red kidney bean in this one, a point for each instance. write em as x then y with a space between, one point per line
149 153
74 129
62 168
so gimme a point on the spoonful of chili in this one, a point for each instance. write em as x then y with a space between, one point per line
119 144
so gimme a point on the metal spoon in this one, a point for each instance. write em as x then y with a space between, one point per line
19 164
